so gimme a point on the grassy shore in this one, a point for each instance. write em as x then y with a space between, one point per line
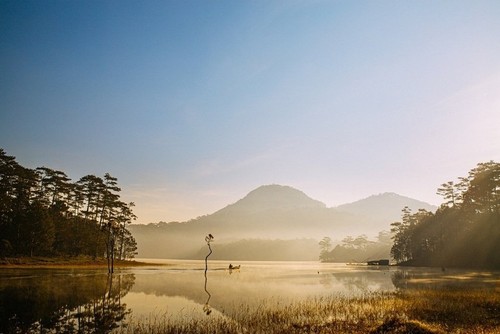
65 262
418 312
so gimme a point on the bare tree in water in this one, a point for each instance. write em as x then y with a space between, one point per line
209 238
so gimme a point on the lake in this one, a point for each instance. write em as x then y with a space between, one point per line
66 299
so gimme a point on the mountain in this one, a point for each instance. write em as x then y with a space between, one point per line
384 207
270 212
275 211
272 197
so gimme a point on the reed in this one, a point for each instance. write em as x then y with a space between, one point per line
420 311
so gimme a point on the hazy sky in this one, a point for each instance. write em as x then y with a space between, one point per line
192 104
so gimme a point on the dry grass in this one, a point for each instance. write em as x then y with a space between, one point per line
473 311
419 312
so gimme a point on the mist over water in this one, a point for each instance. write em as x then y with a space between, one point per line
175 289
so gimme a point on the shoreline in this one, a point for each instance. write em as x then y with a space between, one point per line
68 262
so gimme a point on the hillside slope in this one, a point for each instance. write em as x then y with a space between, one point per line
271 212
384 207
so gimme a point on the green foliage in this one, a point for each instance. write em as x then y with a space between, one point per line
464 231
43 213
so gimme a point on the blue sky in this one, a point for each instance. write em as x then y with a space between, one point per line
192 104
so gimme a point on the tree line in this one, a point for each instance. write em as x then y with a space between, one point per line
44 213
356 249
464 231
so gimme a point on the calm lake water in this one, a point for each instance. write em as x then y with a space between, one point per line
58 299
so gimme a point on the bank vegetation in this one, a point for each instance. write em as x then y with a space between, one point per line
44 214
411 311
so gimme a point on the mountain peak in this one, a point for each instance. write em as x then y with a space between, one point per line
275 196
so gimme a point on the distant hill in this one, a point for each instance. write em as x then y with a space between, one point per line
384 207
271 212
262 250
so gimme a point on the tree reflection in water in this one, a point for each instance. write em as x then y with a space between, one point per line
51 303
206 308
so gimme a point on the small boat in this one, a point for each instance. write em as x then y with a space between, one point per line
231 267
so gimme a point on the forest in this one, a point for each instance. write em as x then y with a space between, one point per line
463 232
44 213
356 249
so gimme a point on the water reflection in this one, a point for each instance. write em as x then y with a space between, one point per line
358 280
91 301
291 281
47 301
436 278
206 308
